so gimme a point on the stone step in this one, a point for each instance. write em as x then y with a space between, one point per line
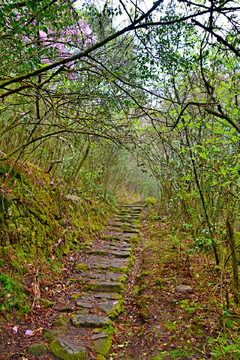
90 321
104 286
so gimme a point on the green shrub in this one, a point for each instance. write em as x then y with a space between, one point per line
150 201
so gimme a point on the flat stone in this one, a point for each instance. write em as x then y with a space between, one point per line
108 286
183 289
65 349
116 277
121 248
111 308
91 321
86 297
82 312
130 231
109 295
101 335
50 334
84 304
97 252
120 265
121 253
66 309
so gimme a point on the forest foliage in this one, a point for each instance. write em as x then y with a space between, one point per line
104 98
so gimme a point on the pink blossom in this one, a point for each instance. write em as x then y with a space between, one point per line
42 35
29 332
15 329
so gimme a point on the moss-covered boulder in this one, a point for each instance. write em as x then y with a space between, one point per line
37 349
82 267
46 303
112 308
67 350
103 346
60 321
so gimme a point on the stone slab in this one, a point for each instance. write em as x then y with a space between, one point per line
91 321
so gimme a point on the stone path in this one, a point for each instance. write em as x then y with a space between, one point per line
86 329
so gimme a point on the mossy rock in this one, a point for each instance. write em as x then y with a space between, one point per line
66 350
151 201
75 296
46 303
112 308
82 267
60 321
50 334
100 357
103 346
37 349
105 237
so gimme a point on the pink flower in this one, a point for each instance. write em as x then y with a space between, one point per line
15 329
42 35
29 332
59 240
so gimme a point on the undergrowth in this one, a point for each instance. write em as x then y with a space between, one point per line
39 223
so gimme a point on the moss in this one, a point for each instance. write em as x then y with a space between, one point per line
100 357
66 351
82 267
75 296
150 201
46 303
103 346
50 334
60 321
37 349
105 237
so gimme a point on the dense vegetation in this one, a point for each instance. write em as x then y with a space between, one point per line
101 104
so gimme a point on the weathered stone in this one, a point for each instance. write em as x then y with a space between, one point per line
112 308
120 265
105 237
92 321
120 253
97 252
130 231
101 335
50 334
116 277
67 350
183 289
110 286
84 304
116 224
100 357
86 297
66 309
111 296
75 296
37 349
46 303
82 312
81 281
103 346
82 267
60 321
